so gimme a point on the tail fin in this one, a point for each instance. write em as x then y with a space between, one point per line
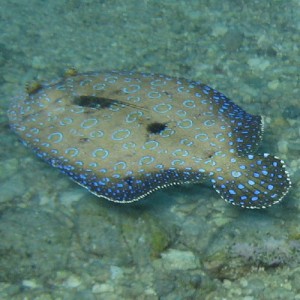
253 181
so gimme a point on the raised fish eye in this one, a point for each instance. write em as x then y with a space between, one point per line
94 102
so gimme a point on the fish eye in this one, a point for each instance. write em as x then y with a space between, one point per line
93 102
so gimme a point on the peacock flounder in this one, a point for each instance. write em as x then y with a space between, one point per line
123 135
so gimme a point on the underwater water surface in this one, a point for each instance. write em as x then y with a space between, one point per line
58 241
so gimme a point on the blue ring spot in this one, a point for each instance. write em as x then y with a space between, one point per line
219 137
85 82
177 162
54 151
181 113
146 160
66 121
100 153
236 174
162 108
114 108
120 134
77 110
55 137
72 152
186 142
180 152
132 88
129 145
133 116
201 137
121 165
111 79
93 164
154 95
150 145
99 86
159 166
96 134
182 89
209 113
158 82
186 123
134 98
167 132
209 123
220 153
189 103
88 123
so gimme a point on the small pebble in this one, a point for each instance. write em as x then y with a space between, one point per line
273 85
282 146
179 260
72 282
102 288
258 64
29 284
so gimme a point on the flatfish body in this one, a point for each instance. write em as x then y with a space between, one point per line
123 135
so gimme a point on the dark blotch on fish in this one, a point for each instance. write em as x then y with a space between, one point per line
156 127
